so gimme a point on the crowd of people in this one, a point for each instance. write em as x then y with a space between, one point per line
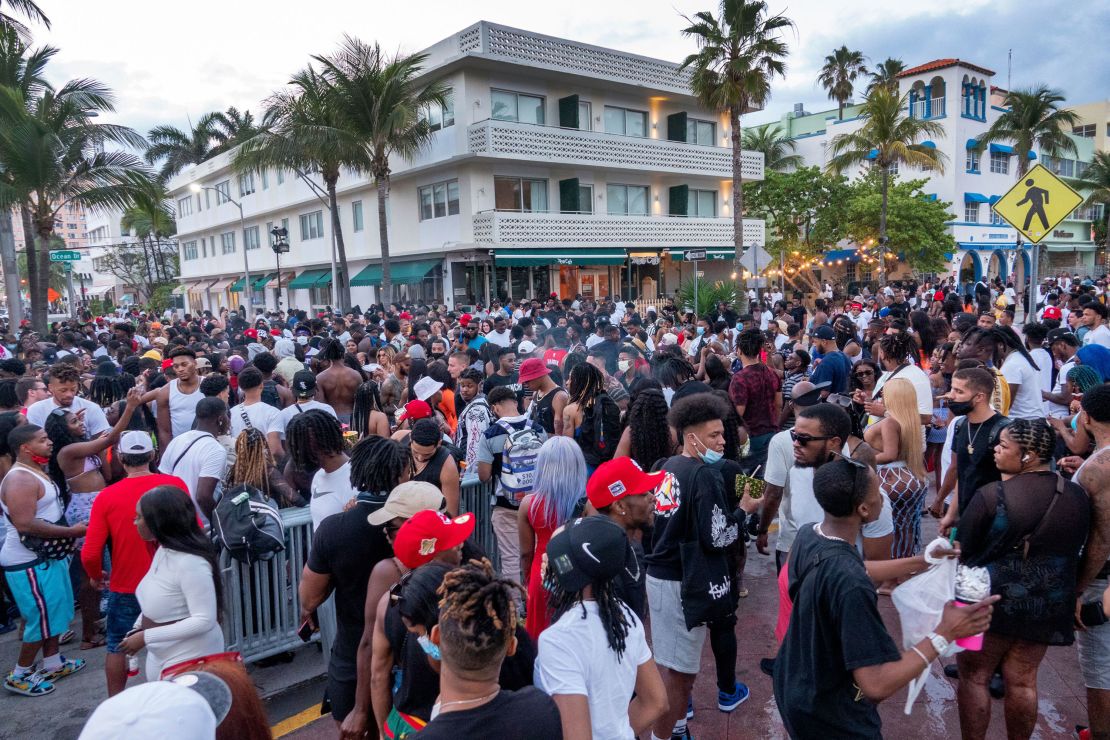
623 459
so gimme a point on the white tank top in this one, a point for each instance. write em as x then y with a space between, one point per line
183 408
48 507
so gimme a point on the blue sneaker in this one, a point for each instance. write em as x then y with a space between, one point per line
690 710
727 702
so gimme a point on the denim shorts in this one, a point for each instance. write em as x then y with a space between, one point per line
123 610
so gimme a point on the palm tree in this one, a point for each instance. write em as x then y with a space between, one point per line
774 145
178 149
150 220
886 74
304 131
1097 180
1032 120
231 128
887 137
28 9
739 52
839 74
52 154
379 101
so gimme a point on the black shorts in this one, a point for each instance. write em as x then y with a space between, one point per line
341 697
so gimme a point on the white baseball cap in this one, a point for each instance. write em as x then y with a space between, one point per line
668 339
525 348
135 443
187 707
426 387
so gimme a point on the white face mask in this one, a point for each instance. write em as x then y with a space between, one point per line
623 365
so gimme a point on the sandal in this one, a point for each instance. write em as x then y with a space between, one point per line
98 641
68 667
66 637
31 684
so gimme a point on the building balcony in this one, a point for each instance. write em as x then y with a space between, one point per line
931 108
515 229
511 140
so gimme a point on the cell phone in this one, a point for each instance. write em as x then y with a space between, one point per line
307 628
1092 614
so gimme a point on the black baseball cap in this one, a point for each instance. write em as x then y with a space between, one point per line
587 550
1063 334
304 382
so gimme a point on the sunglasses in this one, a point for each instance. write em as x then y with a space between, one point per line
396 589
805 439
862 373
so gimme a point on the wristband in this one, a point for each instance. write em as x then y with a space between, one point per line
922 656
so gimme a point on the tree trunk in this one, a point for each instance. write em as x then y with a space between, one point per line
11 270
840 109
882 225
738 209
343 288
386 293
36 278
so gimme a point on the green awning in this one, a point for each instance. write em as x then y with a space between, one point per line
237 286
710 254
260 282
568 256
400 272
311 279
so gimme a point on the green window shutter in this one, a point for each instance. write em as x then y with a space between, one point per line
568 111
568 196
676 127
680 199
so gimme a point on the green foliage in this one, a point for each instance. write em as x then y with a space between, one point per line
838 75
709 295
1096 183
916 225
893 136
805 210
1032 120
886 74
161 298
777 149
98 307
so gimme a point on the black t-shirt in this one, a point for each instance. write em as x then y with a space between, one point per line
976 468
497 380
526 713
689 388
347 547
798 313
835 628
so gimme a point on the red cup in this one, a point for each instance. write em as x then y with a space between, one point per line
974 642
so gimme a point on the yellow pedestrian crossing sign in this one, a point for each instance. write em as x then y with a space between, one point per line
1037 203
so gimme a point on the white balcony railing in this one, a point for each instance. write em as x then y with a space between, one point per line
933 108
510 140
504 228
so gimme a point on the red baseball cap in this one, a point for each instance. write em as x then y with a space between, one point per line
465 319
252 333
1052 312
416 409
167 364
275 332
618 478
429 533
533 368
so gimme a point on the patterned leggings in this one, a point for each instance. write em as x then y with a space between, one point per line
907 497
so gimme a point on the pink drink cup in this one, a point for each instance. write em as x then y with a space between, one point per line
974 642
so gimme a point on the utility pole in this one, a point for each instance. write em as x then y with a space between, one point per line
9 265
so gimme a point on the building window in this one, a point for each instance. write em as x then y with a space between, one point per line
625 121
520 194
270 228
250 238
265 179
585 116
1081 168
223 192
190 250
971 213
511 106
356 215
996 220
198 202
319 296
440 116
700 132
436 201
227 241
71 226
184 206
1087 131
972 161
246 184
627 200
585 198
312 225
850 272
1000 163
703 203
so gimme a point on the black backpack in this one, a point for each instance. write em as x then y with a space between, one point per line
601 430
247 523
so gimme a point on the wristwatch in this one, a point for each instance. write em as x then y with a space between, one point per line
939 643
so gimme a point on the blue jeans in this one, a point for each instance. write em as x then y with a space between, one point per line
123 610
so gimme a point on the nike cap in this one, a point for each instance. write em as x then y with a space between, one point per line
587 550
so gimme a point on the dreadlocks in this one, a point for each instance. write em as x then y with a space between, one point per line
331 349
610 609
252 461
312 434
586 383
897 347
377 464
57 429
651 441
1033 436
1004 336
368 397
477 616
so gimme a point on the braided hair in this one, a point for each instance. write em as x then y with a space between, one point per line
1084 378
897 346
585 385
57 429
610 609
1004 336
368 397
312 434
252 461
331 349
378 464
477 616
1033 436
651 441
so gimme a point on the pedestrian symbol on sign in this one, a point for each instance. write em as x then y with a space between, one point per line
1037 203
1037 198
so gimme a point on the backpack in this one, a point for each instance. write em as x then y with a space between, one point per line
600 431
270 394
246 522
518 460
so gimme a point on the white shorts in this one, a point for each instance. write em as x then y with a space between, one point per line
674 646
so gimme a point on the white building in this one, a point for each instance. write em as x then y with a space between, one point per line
103 232
961 97
556 167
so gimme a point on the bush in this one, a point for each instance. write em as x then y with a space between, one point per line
709 295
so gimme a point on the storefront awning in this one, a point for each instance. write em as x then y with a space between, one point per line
710 254
237 286
1001 149
96 291
259 283
221 284
181 289
310 279
841 255
399 272
975 198
572 256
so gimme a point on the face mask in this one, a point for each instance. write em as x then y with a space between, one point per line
701 330
668 394
430 648
39 459
960 408
709 456
623 365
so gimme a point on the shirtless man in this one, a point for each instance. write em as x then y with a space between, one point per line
393 389
336 384
1094 641
177 400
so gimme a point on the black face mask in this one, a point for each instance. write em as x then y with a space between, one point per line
960 408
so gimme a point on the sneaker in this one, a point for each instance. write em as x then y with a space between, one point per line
952 671
684 735
727 702
690 709
997 687
767 665
68 667
30 684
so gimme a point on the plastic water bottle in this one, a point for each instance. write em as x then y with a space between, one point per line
132 666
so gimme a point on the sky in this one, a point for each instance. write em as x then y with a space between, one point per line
170 62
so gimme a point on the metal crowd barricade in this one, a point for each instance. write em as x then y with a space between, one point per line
262 605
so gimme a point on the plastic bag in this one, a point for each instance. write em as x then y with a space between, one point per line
920 602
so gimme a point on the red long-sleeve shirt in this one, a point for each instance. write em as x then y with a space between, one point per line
113 519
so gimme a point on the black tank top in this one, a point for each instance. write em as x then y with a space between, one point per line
543 411
431 471
270 394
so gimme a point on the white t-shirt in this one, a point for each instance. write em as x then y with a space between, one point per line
1043 358
1098 335
921 385
330 493
799 504
500 339
592 340
574 657
1026 403
263 417
286 414
95 421
1058 410
192 460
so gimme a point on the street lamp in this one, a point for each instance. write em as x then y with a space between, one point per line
280 245
196 187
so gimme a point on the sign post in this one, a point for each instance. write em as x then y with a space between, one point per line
1035 205
695 256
